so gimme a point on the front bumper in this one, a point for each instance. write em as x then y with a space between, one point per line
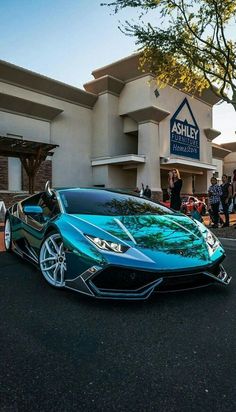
115 282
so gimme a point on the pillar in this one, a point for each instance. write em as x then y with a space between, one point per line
149 145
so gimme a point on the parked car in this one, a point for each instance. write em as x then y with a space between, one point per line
112 245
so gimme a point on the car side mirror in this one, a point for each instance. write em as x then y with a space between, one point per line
32 210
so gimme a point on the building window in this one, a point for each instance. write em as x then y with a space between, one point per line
14 174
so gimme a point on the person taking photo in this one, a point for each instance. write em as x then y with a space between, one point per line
175 186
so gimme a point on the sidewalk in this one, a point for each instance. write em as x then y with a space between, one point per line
223 232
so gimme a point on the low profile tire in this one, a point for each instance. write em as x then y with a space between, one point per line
8 235
52 260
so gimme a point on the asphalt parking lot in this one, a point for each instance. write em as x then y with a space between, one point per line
61 351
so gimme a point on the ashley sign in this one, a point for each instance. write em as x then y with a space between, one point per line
184 132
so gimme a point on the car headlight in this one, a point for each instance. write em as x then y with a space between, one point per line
212 240
107 245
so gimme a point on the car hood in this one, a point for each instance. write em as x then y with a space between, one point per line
154 229
154 235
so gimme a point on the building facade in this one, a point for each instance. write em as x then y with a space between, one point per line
119 132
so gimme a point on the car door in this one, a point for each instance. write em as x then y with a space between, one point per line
34 225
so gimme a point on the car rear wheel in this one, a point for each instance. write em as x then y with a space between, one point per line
52 260
8 235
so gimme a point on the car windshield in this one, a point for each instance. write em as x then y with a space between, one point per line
105 202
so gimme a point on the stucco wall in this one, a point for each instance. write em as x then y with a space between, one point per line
100 175
141 93
120 178
83 134
71 130
72 160
30 129
230 164
108 136
219 167
135 95
170 99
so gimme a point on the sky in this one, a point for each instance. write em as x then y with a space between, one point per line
68 39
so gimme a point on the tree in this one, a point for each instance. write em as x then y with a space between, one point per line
192 44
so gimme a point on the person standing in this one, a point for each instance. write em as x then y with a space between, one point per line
175 186
214 193
147 192
234 190
226 198
141 193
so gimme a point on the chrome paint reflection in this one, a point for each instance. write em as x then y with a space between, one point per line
157 242
7 234
52 260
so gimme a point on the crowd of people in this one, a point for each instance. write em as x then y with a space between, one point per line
223 195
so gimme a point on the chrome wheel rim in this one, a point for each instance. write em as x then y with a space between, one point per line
52 260
7 234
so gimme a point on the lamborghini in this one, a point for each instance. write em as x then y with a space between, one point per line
111 244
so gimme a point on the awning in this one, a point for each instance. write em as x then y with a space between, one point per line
18 105
188 166
151 113
211 133
15 147
125 160
219 152
229 146
30 153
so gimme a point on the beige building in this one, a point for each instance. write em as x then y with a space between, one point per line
230 159
120 131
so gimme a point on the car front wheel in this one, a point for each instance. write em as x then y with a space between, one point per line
8 235
52 260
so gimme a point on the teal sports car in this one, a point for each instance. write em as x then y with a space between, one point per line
109 244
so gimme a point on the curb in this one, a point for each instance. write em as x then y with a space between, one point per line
227 238
228 243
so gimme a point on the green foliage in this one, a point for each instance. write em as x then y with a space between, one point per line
191 44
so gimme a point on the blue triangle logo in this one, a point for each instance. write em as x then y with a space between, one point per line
184 133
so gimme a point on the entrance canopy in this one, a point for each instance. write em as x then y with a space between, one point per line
31 154
123 160
185 165
15 147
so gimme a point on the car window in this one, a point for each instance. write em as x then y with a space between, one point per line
105 202
32 200
49 205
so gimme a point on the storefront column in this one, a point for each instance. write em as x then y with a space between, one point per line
148 145
202 182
